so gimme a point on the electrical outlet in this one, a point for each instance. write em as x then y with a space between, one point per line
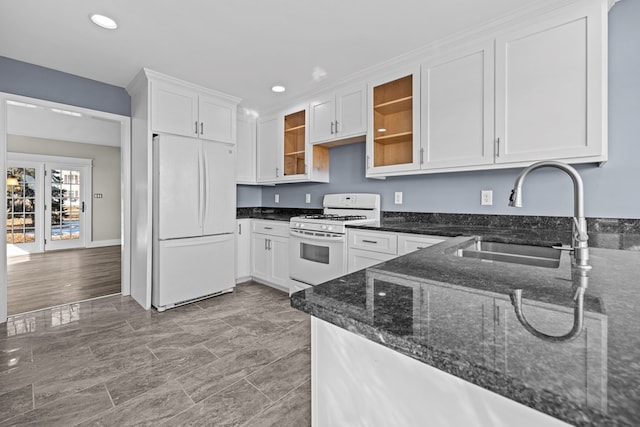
307 198
486 197
277 198
398 198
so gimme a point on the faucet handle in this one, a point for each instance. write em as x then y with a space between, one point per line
580 232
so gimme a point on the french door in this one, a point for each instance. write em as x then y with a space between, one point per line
64 206
46 207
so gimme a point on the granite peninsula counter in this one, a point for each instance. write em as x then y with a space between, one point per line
455 314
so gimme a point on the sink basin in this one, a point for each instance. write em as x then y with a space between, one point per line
537 256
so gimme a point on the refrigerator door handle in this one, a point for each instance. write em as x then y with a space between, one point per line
200 189
205 181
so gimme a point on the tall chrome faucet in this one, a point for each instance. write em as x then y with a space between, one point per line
579 236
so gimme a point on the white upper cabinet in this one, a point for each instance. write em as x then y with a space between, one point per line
182 109
174 109
339 115
246 150
393 140
457 109
284 152
217 119
551 87
267 152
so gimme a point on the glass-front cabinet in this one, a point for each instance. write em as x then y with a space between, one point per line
295 139
393 141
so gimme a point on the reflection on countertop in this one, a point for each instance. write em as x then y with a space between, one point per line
455 314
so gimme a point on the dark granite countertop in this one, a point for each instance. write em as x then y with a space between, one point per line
455 314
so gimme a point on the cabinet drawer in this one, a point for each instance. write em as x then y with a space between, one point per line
386 243
412 242
272 228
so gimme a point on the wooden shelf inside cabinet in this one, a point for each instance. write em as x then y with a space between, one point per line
395 106
394 138
294 128
296 153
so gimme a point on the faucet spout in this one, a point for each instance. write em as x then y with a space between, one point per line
579 232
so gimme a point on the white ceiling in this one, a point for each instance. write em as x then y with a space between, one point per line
241 47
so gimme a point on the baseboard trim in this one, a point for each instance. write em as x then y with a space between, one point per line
102 243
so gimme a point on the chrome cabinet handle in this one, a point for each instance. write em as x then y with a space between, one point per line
196 123
368 161
269 244
201 128
336 126
498 147
305 168
421 155
332 128
268 228
239 228
369 241
266 247
277 172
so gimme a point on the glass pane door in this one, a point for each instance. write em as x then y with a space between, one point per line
65 207
21 209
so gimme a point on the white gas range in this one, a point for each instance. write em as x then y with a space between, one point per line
318 243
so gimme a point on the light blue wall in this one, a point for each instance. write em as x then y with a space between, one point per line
612 191
249 196
22 78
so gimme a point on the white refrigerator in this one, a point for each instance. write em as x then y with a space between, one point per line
193 220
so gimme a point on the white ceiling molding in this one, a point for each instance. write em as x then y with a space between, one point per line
612 3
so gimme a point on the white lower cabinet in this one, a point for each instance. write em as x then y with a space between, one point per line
243 249
367 248
270 253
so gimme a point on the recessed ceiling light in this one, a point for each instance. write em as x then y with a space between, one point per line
278 88
103 21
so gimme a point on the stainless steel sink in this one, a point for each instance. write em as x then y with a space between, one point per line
537 256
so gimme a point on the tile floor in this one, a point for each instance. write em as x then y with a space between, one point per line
237 359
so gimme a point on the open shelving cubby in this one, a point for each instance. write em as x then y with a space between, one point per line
393 122
294 143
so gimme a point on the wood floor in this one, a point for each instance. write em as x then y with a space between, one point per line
43 280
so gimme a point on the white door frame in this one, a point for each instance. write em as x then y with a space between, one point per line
45 162
125 184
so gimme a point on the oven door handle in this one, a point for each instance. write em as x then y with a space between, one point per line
300 235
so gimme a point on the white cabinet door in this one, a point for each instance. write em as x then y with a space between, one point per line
260 259
246 151
174 109
268 153
243 248
550 88
217 119
218 170
322 116
412 242
279 252
351 112
357 259
178 187
457 110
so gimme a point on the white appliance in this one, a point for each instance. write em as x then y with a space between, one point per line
193 220
318 243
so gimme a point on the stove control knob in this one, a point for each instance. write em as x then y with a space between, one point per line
324 227
301 225
330 228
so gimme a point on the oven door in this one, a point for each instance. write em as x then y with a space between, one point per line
316 257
